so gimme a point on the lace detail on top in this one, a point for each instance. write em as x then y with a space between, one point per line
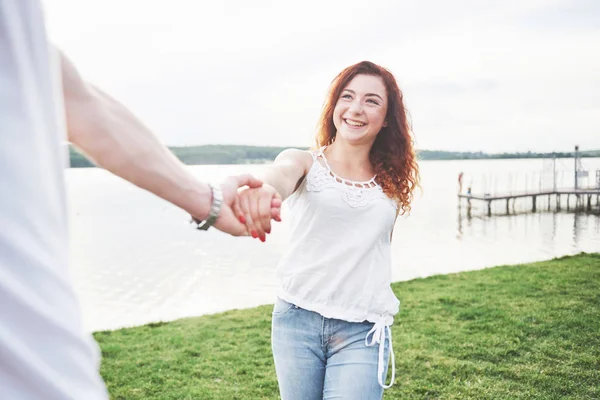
355 194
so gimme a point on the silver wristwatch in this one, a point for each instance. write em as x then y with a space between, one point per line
215 209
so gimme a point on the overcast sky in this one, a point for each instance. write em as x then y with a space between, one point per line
494 75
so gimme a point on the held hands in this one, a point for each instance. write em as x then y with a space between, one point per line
246 210
255 207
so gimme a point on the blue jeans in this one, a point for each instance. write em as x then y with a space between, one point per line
323 358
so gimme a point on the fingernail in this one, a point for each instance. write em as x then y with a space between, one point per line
268 231
254 234
242 219
262 239
278 218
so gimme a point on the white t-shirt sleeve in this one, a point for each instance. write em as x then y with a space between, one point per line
44 351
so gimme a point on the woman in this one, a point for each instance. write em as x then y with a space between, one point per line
331 334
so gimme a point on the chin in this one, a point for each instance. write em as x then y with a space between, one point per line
354 138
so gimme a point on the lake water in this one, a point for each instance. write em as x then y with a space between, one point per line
135 259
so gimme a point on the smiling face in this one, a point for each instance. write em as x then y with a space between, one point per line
360 111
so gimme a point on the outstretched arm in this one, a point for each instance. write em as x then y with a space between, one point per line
108 133
289 167
281 180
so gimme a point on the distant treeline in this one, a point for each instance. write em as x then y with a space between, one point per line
234 154
207 155
463 155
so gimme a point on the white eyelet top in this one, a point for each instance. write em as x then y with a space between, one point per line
338 263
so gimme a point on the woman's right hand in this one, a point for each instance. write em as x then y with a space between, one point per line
256 207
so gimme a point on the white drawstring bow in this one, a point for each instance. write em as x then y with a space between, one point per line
378 336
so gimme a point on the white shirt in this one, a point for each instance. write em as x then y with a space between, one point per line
339 260
44 351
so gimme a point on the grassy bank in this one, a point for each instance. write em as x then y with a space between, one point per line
519 332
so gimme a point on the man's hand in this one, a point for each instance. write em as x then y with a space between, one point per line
231 218
256 205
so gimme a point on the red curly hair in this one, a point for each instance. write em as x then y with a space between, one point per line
393 155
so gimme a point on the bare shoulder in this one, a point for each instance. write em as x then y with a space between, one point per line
299 158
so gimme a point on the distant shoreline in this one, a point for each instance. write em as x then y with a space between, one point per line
238 154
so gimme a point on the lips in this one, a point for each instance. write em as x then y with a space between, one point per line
354 123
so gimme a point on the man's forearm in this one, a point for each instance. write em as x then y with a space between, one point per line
117 141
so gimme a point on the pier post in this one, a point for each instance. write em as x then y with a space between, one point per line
534 198
589 204
507 201
557 202
489 208
568 198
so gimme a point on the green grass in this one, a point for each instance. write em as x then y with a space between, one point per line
514 332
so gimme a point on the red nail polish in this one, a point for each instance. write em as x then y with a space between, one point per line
254 234
242 219
262 239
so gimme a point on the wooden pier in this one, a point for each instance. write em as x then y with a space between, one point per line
581 195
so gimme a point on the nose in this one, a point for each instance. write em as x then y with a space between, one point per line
356 107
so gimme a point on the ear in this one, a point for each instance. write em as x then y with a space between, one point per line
385 124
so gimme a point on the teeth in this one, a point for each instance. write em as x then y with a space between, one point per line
354 123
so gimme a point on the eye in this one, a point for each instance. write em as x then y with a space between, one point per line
346 96
373 101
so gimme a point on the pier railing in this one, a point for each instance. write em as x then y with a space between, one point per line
587 198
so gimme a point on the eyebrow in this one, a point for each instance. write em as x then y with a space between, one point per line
367 94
